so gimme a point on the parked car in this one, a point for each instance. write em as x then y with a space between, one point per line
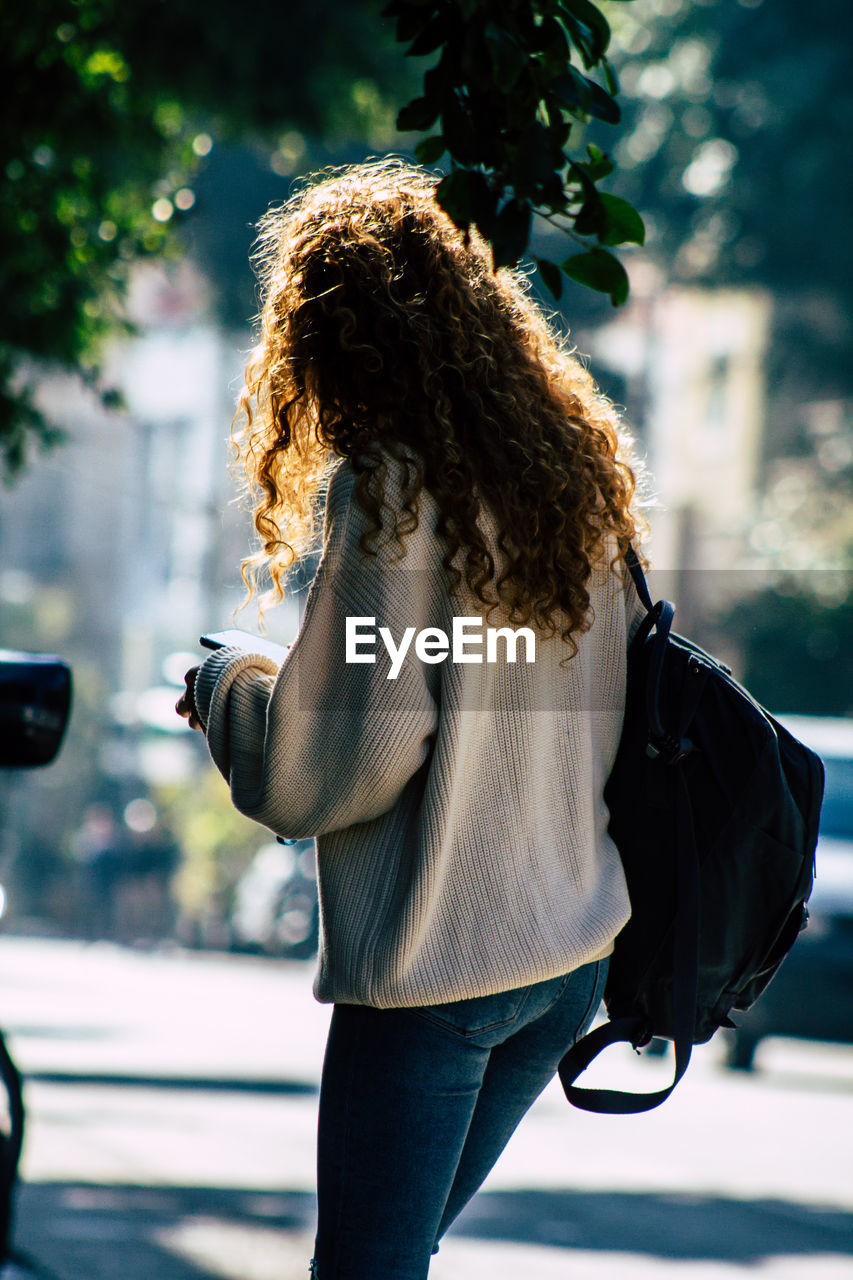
35 703
275 908
811 997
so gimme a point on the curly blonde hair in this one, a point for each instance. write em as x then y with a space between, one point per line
386 331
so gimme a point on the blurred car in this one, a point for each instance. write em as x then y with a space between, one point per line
35 704
811 997
275 909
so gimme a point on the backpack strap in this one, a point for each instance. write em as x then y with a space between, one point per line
634 1030
635 569
659 617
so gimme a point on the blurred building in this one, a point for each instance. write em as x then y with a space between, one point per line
128 527
693 364
130 535
118 550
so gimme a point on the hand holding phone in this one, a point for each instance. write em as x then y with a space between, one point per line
185 706
245 640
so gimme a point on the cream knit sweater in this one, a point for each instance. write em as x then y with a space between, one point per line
462 844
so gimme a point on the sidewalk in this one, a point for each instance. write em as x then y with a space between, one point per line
171 1121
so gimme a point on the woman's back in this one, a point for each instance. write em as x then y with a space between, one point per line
446 719
457 801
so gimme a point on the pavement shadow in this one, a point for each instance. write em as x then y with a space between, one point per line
669 1225
181 1083
81 1231
85 1231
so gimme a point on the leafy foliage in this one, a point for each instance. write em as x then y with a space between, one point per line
509 86
735 117
117 103
735 122
74 212
114 105
794 645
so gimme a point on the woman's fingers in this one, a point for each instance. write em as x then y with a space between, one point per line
185 706
186 709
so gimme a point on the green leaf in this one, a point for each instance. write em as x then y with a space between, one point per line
460 135
583 40
437 32
600 165
419 114
579 173
611 79
429 150
452 193
534 161
554 194
599 270
473 65
594 20
601 104
507 57
484 202
580 94
511 233
551 275
591 220
466 197
622 223
551 40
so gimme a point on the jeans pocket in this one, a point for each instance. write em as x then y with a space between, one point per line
478 1016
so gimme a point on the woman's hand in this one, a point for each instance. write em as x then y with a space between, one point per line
185 706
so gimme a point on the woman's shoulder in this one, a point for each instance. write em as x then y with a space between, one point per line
386 526
397 469
340 484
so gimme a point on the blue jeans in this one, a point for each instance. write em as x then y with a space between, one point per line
416 1105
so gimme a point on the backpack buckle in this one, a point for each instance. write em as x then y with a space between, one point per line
672 750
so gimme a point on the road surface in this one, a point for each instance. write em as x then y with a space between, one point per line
172 1105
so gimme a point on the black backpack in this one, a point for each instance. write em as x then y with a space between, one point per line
714 809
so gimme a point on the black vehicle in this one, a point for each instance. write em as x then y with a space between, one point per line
35 704
811 997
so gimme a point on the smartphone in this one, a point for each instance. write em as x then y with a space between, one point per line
245 640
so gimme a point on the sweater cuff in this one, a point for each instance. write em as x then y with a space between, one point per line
224 664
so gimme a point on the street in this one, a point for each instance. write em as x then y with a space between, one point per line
171 1112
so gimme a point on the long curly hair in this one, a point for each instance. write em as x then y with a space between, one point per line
386 331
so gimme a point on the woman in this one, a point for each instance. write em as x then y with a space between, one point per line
469 892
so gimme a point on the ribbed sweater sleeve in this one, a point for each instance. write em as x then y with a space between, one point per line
321 744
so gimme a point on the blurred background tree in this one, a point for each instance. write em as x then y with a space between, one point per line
115 107
736 119
794 638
